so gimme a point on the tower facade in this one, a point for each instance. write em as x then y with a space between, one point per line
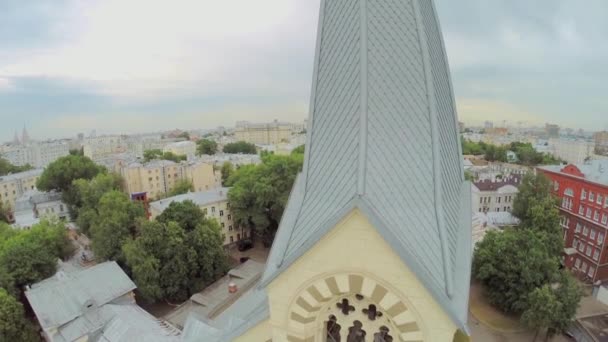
375 242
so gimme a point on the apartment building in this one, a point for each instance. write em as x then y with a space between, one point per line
37 154
495 195
158 177
15 185
263 133
181 148
583 193
215 205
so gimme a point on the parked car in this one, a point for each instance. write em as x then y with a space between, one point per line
244 245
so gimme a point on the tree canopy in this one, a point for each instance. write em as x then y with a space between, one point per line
298 150
240 147
6 167
114 224
227 171
60 174
156 154
182 186
187 214
206 146
170 262
259 193
13 324
525 152
29 256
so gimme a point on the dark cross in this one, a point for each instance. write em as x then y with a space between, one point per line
383 335
356 333
333 329
372 312
346 308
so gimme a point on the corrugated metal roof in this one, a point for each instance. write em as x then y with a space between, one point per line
594 170
64 297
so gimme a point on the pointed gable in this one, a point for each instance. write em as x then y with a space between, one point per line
383 137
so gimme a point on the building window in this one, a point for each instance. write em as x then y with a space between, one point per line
591 196
577 263
222 224
596 216
591 271
584 267
238 237
575 243
584 194
585 231
569 192
481 200
581 247
212 210
231 239
581 210
600 199
221 213
604 219
592 235
498 199
497 210
229 228
229 217
600 238
588 252
555 185
596 255
606 202
588 214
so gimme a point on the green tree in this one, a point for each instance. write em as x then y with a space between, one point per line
240 147
298 150
206 146
13 324
184 135
4 212
259 193
182 186
227 171
542 308
186 214
85 196
173 157
60 174
171 263
77 151
6 167
115 224
512 263
152 154
533 189
31 255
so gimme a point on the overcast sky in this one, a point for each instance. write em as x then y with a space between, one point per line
69 66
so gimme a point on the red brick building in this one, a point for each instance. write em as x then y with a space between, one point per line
583 190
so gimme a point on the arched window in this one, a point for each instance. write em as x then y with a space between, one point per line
569 192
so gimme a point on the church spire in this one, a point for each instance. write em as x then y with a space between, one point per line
25 138
383 137
16 139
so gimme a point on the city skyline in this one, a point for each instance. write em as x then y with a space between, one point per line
75 67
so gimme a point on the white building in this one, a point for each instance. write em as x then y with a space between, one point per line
494 195
37 154
574 151
35 205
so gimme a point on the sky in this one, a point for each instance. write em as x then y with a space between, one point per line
129 66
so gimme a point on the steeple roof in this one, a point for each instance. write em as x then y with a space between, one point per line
383 137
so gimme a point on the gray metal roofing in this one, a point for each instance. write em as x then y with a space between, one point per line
383 137
199 198
594 170
60 299
21 175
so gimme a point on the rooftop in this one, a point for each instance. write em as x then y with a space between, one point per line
594 170
66 296
21 175
495 184
199 198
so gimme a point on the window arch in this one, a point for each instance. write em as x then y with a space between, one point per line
569 192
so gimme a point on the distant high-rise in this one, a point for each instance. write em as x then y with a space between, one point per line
488 124
552 130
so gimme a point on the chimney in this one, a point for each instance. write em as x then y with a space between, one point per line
232 288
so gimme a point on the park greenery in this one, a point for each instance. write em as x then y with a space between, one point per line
240 147
298 150
520 267
27 257
172 260
259 193
206 146
157 154
524 152
7 168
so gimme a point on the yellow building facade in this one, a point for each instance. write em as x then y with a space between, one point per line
15 185
263 133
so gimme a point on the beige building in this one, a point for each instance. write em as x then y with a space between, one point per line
181 148
157 178
215 205
263 133
14 186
